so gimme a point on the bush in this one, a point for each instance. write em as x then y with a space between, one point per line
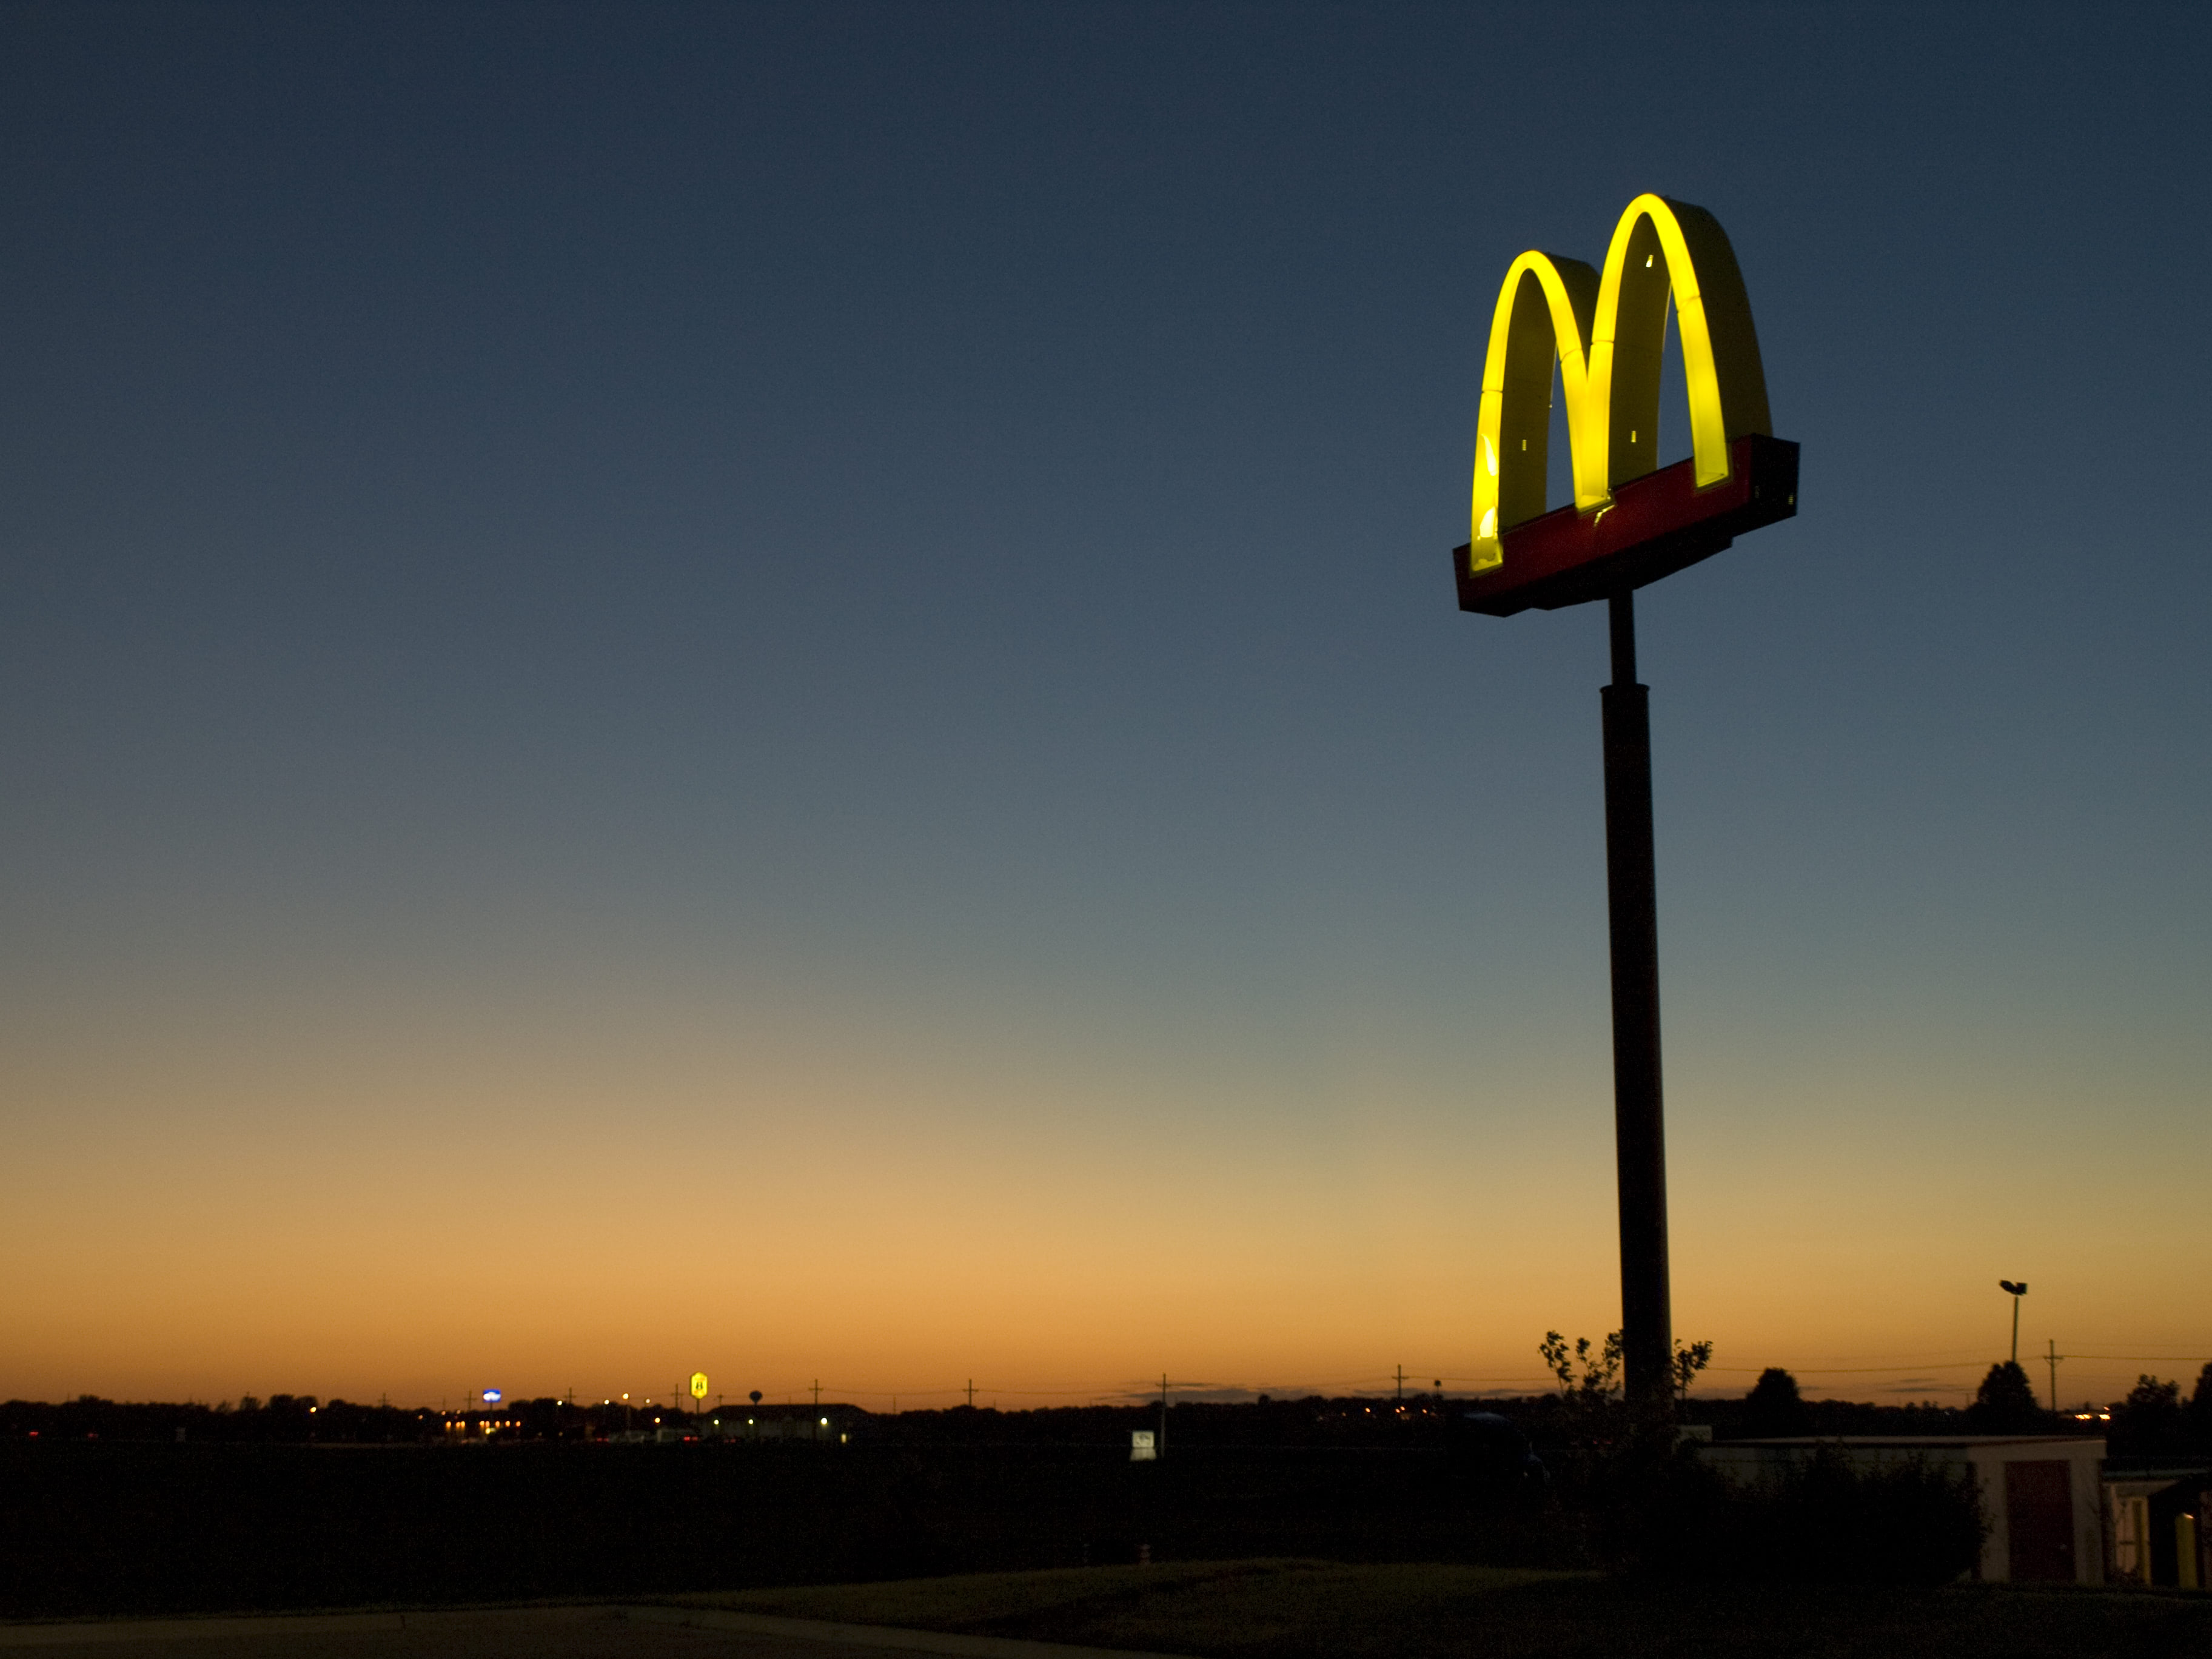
2005 1403
2151 1421
1822 1521
1774 1407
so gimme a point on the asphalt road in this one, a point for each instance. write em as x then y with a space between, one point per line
587 1632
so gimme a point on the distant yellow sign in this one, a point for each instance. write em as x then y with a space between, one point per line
698 1385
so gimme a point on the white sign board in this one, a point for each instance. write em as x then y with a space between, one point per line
1144 1445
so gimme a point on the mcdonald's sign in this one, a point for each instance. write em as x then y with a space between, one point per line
1632 520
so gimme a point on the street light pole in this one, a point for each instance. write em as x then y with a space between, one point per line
2016 1291
1640 1126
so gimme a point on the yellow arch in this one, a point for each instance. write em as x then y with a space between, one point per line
1606 332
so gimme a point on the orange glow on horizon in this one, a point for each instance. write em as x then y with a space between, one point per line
770 1209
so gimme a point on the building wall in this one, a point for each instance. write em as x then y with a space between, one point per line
2084 1460
1984 1456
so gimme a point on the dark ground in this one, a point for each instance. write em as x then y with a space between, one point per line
1302 1610
1259 1552
137 1528
1254 1609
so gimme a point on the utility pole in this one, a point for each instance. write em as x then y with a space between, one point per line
2053 1359
818 1393
971 1393
1401 1385
1160 1445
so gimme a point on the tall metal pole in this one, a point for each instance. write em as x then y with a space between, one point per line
1639 1129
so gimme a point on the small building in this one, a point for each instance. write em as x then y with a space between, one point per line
2043 1494
475 1427
824 1425
2158 1512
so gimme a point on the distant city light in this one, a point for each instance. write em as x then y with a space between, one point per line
492 1396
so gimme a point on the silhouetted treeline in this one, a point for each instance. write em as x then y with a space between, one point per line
283 1418
1734 1420
1422 1420
2154 1419
1417 1420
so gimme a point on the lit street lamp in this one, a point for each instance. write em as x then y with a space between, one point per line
2016 1291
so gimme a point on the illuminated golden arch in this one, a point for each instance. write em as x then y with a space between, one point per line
1606 332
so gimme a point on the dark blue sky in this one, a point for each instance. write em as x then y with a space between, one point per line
535 532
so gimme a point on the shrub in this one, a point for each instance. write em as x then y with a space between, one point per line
2150 1422
2005 1403
1774 1407
1822 1521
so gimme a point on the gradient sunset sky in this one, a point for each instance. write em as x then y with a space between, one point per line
777 690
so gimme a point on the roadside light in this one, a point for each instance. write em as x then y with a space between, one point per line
2016 1291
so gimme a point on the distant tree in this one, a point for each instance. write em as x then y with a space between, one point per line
2200 1410
2005 1404
2150 1420
1689 1362
1600 1377
1774 1406
1589 1410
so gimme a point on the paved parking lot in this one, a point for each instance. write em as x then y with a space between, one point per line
591 1633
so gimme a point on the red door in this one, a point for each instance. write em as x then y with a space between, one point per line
2039 1519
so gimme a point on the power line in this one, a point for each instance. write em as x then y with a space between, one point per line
1843 1371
